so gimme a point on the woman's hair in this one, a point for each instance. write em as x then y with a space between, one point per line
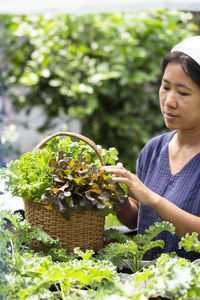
189 66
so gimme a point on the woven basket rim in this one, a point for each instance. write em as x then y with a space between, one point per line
71 134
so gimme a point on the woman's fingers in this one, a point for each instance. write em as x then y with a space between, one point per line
120 174
112 169
136 189
117 171
119 165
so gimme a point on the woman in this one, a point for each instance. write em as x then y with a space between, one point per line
167 185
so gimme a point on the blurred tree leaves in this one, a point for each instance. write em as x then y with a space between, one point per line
102 69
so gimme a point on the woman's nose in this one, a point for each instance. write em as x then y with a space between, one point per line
171 100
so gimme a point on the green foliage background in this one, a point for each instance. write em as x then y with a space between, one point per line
103 69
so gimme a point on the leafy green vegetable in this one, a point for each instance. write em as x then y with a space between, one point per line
29 176
171 276
81 275
79 186
130 251
21 235
143 240
190 242
28 275
115 234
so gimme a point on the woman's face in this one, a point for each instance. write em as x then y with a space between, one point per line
179 99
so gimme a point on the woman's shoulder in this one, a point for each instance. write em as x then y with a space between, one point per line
155 148
157 144
159 141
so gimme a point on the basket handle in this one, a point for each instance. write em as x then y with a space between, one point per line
75 135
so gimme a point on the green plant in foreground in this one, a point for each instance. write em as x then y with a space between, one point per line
81 275
172 277
16 240
130 251
190 242
28 275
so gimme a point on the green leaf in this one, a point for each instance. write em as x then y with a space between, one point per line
190 242
115 234
29 79
131 250
78 185
153 231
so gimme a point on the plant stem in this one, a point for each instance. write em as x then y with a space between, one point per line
60 292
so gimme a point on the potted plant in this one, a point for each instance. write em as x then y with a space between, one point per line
65 190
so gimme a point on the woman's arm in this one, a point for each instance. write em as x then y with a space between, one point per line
183 221
128 213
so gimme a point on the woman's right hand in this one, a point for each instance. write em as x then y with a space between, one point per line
136 189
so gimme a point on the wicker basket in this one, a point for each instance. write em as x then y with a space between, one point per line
82 230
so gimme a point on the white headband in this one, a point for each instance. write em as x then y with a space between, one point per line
191 47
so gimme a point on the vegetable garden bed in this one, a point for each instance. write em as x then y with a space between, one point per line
25 274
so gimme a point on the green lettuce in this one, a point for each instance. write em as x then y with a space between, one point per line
29 176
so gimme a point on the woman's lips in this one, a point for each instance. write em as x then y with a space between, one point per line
169 116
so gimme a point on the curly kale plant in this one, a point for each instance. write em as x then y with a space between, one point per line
25 274
130 251
79 186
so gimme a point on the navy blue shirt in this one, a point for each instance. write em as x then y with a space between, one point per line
182 189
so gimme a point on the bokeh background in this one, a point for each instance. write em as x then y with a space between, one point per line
95 70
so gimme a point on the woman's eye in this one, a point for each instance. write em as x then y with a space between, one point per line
165 88
183 94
